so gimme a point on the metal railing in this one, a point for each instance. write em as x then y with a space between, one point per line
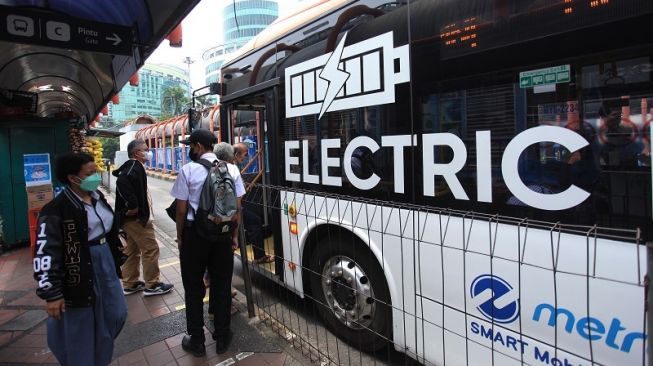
371 282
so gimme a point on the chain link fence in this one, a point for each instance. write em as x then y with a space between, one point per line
353 281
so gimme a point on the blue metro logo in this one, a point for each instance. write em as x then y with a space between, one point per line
495 298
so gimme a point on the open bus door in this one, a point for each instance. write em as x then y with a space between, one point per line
248 119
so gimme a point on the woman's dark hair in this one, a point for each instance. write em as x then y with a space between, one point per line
69 163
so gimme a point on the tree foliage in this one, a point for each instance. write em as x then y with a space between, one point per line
174 101
203 102
109 147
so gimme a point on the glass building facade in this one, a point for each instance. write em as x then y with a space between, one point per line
242 20
147 97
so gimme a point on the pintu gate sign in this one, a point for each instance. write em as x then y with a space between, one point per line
568 198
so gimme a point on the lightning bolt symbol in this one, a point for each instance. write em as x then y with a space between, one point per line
334 76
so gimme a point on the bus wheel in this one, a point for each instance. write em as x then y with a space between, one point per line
352 294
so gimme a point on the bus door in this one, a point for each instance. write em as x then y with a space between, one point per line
249 121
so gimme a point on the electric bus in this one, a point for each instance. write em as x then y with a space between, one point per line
467 181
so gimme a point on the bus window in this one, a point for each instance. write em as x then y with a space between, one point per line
609 105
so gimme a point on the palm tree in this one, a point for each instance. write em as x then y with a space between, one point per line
203 102
174 100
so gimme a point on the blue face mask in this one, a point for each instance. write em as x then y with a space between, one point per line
90 183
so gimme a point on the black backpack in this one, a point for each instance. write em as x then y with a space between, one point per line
217 201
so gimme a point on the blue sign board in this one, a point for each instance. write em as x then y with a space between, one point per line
160 158
168 158
178 158
250 141
36 169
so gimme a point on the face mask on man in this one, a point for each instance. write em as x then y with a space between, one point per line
149 155
90 183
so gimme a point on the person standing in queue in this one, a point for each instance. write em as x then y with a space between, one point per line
225 152
196 254
252 214
133 208
77 267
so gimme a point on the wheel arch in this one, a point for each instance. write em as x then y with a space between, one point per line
321 229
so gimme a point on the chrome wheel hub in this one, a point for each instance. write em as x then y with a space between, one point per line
348 292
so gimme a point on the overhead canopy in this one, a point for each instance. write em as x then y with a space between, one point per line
77 54
99 132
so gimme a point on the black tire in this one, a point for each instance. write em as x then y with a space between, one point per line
373 331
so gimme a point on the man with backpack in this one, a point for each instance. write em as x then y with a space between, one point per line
206 214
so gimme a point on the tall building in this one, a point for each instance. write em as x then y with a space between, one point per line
147 97
242 20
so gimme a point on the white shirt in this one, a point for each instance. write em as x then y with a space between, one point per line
189 182
99 217
238 180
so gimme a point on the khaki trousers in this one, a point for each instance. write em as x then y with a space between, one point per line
141 244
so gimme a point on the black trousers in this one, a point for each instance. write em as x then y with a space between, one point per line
195 256
254 229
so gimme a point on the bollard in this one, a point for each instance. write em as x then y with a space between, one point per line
246 274
108 165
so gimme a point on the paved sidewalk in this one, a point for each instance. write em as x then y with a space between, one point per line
153 332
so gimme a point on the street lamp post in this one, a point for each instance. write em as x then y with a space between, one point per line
188 61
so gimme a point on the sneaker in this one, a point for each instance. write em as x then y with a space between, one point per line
222 343
138 286
158 289
192 346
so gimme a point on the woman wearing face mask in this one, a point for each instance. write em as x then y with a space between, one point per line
77 266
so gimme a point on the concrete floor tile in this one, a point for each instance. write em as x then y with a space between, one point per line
31 341
8 314
178 352
190 360
41 329
29 299
175 340
25 321
160 358
132 358
160 311
155 348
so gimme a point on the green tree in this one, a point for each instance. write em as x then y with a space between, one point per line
174 101
203 102
109 147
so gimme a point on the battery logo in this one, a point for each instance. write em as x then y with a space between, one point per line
359 75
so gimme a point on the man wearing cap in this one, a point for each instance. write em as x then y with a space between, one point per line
196 254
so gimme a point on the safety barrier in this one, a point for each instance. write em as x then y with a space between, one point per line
371 282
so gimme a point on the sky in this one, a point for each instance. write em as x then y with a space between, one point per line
202 29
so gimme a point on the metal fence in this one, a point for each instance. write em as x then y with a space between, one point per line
365 282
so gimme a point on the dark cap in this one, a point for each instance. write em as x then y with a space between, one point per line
202 137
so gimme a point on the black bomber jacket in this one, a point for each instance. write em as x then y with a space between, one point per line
62 260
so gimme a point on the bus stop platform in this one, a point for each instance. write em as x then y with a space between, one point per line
153 331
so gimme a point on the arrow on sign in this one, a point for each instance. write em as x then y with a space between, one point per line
116 40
